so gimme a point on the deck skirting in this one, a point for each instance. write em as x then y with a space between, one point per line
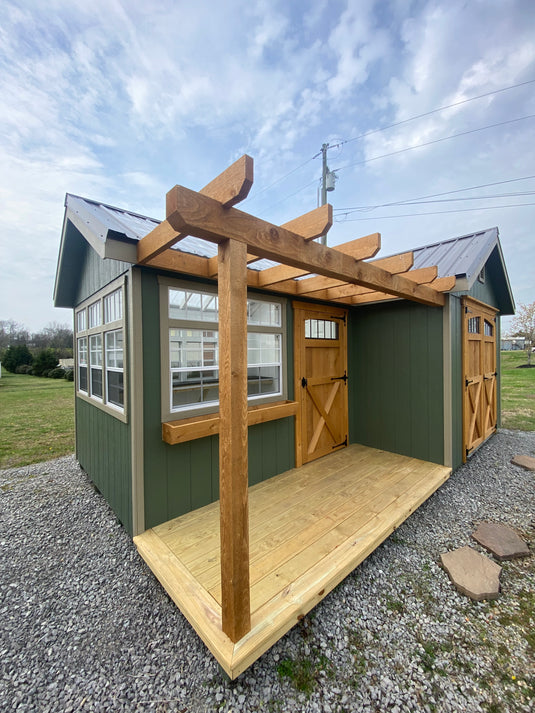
309 528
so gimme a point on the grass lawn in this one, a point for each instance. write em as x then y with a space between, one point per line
36 419
37 415
518 392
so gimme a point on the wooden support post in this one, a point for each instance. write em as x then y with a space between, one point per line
233 467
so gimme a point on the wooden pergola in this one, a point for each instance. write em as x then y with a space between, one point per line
306 269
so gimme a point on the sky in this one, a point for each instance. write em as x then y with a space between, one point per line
119 101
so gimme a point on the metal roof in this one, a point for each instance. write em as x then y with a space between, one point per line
114 232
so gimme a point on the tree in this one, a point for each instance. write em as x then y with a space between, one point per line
12 334
44 362
15 356
524 324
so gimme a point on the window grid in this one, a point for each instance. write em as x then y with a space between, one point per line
194 350
100 351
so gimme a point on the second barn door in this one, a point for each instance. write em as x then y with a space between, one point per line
320 339
480 376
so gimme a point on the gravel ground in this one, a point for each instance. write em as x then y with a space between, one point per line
86 627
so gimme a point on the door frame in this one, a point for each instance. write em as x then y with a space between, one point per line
474 308
338 313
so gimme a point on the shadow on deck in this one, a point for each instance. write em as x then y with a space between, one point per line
309 528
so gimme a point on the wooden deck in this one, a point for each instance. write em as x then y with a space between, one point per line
309 528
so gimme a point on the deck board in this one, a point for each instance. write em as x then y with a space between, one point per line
309 528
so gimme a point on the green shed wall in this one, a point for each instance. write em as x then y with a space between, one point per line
96 273
103 451
396 399
103 443
185 476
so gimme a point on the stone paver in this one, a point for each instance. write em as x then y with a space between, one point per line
472 573
501 540
527 462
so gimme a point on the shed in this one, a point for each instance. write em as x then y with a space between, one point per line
261 411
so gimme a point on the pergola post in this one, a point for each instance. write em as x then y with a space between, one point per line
233 466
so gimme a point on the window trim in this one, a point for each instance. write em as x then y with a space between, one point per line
166 323
121 413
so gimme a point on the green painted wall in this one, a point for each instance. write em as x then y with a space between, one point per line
184 477
396 400
103 451
96 273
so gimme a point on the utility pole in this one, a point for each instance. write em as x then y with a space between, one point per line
327 183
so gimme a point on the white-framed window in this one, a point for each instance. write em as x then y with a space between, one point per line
82 363
190 347
100 339
95 310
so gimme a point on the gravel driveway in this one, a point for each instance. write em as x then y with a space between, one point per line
86 627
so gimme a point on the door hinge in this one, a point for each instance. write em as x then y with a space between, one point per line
343 317
468 382
344 443
304 382
343 378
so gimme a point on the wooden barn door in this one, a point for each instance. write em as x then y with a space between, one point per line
320 339
479 369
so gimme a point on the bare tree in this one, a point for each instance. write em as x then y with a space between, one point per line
524 324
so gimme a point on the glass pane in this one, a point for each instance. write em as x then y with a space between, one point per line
192 306
82 378
113 306
263 348
488 329
94 315
95 350
96 382
195 387
473 325
263 313
82 351
115 388
263 380
80 321
193 347
321 329
114 349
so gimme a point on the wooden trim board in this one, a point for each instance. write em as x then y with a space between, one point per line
189 429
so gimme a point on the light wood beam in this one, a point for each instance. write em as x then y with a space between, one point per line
360 249
233 465
441 284
230 187
205 218
182 262
309 226
395 264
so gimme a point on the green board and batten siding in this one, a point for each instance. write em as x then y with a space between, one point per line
104 453
102 441
185 476
396 400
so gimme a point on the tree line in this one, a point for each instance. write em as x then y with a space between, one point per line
35 353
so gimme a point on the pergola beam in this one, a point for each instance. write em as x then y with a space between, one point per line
360 249
204 217
230 187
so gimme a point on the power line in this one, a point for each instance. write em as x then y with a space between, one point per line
383 128
409 201
438 212
436 141
434 111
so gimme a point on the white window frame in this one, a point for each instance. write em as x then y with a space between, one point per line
111 318
167 324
